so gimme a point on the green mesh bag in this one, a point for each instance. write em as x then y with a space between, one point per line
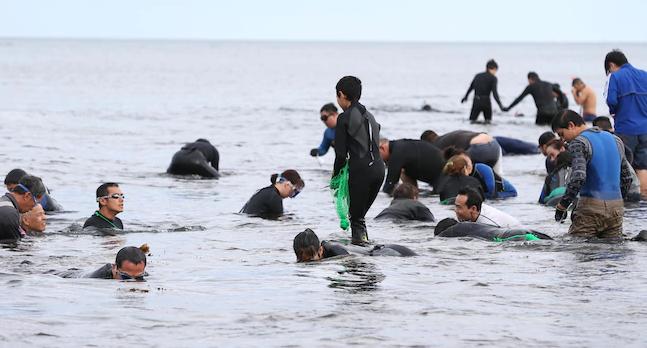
341 196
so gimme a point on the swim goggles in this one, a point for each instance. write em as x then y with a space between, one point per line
295 189
113 196
126 276
25 190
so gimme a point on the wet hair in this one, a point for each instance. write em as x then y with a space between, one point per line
533 76
564 159
102 190
351 86
603 123
474 197
576 81
306 245
491 64
443 225
455 166
616 57
452 151
330 107
405 190
14 176
561 120
133 254
429 136
33 183
546 137
291 175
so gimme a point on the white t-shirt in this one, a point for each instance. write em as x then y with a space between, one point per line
495 217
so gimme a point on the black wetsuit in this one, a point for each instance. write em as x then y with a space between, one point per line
99 221
419 159
483 84
10 229
542 93
562 101
449 186
460 139
266 202
356 138
406 209
105 272
487 232
49 204
197 158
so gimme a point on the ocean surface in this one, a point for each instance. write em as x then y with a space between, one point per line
78 113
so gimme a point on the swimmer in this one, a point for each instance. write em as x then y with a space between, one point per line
457 171
48 203
130 264
453 229
197 158
410 160
22 199
405 205
268 202
469 206
481 147
307 248
328 115
585 97
483 84
111 202
542 93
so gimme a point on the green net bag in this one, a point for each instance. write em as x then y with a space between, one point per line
341 196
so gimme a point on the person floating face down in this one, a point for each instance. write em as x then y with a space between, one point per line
196 158
46 202
542 93
111 202
410 160
267 202
483 84
405 205
307 247
328 115
585 97
130 264
356 143
23 199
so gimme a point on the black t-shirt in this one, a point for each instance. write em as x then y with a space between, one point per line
9 219
333 249
406 209
419 159
99 221
458 138
265 203
450 185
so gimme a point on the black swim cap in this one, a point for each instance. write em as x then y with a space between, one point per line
14 176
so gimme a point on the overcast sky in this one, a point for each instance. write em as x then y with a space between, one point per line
330 20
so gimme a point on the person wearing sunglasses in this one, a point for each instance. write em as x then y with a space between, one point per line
130 264
328 115
268 202
21 199
48 203
111 202
196 158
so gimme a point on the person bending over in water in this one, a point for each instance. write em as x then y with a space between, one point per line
457 176
328 115
469 206
307 248
453 229
555 182
483 84
356 142
542 93
560 98
492 184
405 205
130 264
544 139
410 160
111 202
481 147
268 202
197 158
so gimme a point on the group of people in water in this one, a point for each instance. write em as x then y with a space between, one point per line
590 171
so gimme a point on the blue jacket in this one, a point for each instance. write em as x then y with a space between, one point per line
627 99
327 141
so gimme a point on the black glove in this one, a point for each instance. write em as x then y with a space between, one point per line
463 100
560 215
314 152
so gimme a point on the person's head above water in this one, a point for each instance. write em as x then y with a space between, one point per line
28 192
348 90
13 177
554 148
130 263
613 61
467 205
544 139
603 123
532 77
307 246
568 125
110 199
458 165
578 84
328 115
491 66
405 191
429 136
452 151
385 149
288 183
443 225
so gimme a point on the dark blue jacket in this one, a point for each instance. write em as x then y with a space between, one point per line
627 99
327 141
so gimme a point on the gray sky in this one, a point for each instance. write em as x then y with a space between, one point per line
330 20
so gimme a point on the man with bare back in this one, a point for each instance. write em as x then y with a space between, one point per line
584 96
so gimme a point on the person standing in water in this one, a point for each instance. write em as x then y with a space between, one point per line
328 115
542 93
356 140
111 202
585 97
267 202
483 84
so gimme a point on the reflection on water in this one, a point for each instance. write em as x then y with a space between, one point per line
356 276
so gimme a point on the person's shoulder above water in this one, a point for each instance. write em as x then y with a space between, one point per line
495 217
98 221
105 272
